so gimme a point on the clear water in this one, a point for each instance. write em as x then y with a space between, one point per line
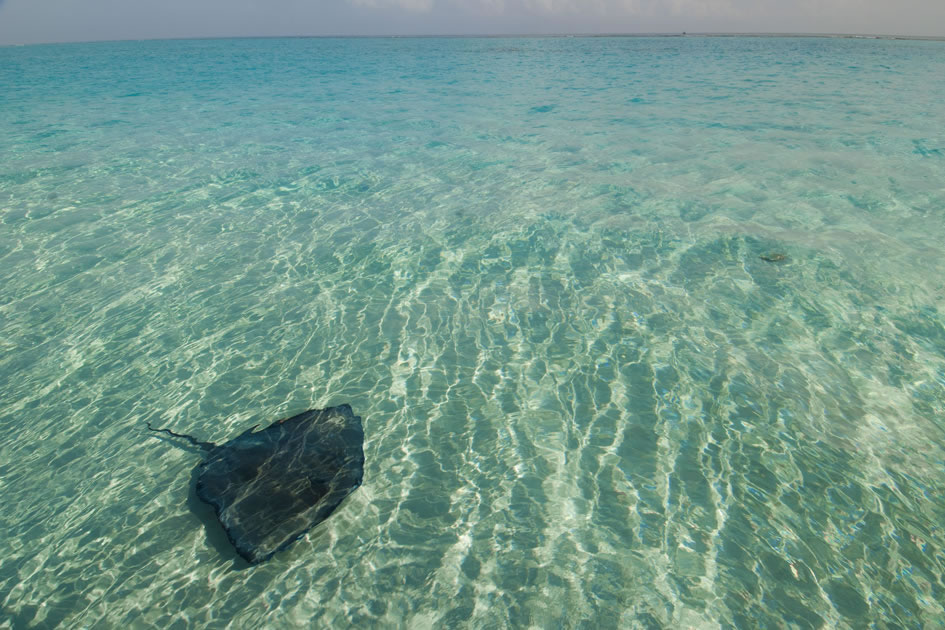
533 266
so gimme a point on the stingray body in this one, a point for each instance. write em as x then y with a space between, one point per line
269 487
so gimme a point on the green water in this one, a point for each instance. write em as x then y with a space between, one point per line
536 269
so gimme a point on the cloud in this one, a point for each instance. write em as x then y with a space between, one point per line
419 6
639 8
614 13
563 8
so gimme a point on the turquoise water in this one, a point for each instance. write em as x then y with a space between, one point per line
534 267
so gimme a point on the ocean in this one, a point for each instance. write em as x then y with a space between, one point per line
645 332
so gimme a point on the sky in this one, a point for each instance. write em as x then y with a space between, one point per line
40 21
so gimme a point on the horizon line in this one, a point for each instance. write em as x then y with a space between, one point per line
660 34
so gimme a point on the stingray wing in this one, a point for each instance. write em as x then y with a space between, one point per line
270 487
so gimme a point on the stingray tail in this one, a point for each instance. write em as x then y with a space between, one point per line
204 445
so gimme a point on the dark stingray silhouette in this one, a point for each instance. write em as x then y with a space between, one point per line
269 487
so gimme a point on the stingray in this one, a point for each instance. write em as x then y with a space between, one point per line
268 488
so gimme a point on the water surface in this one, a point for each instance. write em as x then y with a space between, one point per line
534 267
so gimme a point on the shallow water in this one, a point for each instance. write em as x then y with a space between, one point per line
534 267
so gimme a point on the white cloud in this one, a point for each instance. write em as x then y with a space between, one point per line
752 12
419 6
603 8
684 8
488 7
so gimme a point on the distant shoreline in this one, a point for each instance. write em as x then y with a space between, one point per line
937 38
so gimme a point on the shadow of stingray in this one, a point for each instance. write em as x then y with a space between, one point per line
216 536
